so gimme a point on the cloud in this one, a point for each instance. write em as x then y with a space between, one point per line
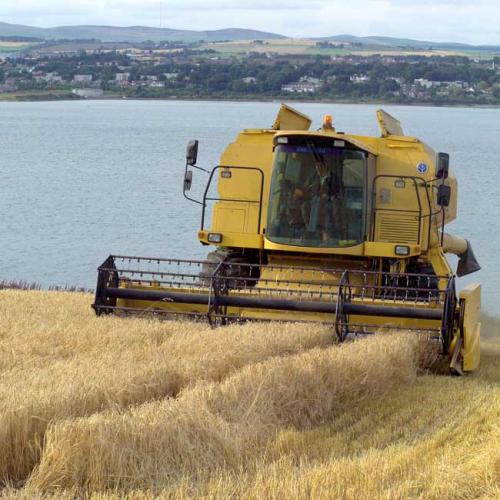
443 20
223 6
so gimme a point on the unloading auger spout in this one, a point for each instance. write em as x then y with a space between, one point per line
320 226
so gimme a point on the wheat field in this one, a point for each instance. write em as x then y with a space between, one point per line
138 408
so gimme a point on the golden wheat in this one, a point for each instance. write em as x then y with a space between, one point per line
347 422
438 438
215 426
58 361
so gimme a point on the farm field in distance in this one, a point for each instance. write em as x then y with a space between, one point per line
112 407
300 46
279 46
8 46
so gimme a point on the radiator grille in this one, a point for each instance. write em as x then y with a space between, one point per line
393 227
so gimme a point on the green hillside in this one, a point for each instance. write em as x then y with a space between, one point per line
130 34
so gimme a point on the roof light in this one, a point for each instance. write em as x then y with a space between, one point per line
328 121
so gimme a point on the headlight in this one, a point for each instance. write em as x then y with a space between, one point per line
402 250
215 237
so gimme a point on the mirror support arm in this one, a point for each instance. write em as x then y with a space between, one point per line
184 186
192 199
199 168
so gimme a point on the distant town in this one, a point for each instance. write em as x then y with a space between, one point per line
191 70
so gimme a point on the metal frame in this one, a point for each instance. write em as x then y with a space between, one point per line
448 322
339 293
341 318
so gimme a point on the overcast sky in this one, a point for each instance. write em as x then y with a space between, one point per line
471 21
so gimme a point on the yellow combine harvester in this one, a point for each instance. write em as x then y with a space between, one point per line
318 226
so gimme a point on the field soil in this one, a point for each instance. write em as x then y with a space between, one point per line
137 408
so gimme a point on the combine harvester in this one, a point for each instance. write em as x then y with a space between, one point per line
317 226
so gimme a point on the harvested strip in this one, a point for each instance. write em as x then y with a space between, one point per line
438 438
221 426
81 365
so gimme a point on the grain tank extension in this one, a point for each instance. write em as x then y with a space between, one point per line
319 226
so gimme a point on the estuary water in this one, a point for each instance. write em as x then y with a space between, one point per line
81 180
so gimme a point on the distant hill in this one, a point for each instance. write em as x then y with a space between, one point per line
145 33
131 33
390 42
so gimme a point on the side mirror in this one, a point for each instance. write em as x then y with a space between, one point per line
443 165
443 195
188 180
192 152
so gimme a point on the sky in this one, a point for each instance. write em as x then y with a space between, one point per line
470 21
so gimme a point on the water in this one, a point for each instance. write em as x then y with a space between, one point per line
81 180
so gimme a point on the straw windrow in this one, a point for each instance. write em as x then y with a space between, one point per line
64 363
260 411
215 426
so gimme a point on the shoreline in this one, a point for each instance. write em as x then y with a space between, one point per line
23 98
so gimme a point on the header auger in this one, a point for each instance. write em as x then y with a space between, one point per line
317 226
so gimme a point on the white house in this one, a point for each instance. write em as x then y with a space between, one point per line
122 78
359 78
306 84
83 79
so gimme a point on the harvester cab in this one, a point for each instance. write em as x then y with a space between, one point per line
319 226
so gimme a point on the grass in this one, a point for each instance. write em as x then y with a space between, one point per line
30 285
37 95
110 407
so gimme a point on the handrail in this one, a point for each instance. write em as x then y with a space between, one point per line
417 182
229 167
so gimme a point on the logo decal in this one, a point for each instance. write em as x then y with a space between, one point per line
422 168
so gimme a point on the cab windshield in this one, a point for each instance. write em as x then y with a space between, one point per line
317 196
